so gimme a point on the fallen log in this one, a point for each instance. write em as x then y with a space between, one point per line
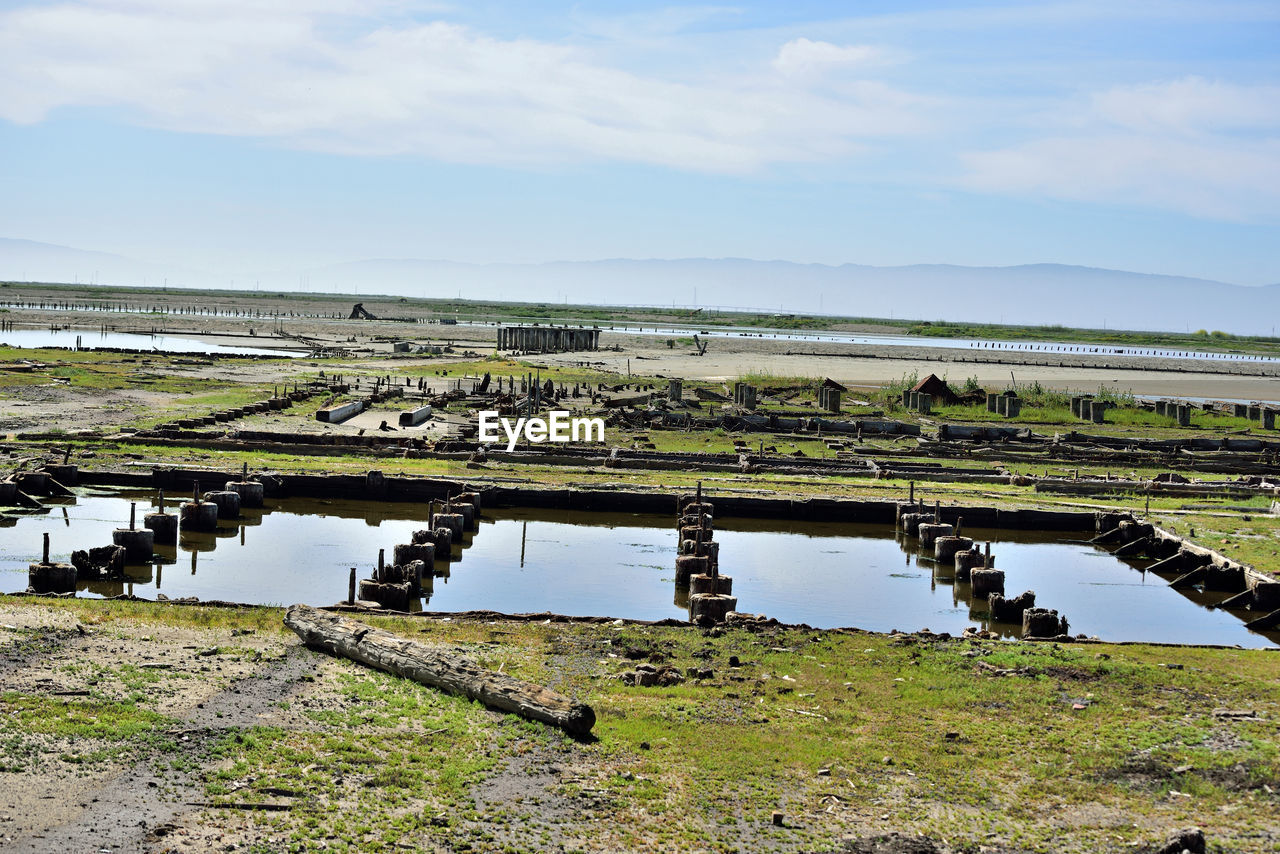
443 669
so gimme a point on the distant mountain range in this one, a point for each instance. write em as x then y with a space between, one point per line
1028 294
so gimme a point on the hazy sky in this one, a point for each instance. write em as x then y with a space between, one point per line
248 134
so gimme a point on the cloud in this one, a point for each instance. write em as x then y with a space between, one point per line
373 79
802 56
1205 148
1191 105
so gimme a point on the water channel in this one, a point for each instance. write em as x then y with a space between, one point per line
92 339
975 344
622 565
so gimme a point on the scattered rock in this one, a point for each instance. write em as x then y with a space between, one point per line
647 675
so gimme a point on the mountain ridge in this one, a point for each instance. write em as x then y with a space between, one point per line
1040 293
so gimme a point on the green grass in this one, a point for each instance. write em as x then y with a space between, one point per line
804 724
76 719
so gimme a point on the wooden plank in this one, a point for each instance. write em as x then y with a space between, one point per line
1192 578
1270 621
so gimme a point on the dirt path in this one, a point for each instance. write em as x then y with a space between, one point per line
96 795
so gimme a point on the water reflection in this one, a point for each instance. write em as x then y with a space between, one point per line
823 574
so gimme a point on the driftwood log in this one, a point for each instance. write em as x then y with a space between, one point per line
443 669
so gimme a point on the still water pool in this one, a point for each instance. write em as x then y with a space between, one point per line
622 565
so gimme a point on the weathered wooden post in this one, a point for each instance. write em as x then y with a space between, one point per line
199 515
164 526
47 577
138 545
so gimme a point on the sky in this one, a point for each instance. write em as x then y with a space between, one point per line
235 135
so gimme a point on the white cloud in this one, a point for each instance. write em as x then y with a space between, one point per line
1191 105
329 81
1209 149
802 56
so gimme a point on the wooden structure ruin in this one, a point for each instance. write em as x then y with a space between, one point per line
547 339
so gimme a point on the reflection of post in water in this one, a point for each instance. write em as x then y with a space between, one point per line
242 535
66 520
157 570
524 530
193 561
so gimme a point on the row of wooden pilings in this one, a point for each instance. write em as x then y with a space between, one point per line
411 573
959 557
547 339
137 545
698 562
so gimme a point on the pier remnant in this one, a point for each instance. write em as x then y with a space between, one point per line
164 526
1043 623
197 515
49 577
138 543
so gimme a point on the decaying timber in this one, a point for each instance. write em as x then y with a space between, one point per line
443 669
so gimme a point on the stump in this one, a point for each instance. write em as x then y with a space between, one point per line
693 532
945 549
1004 610
467 512
138 543
710 608
406 552
228 503
965 562
164 527
251 492
930 531
99 562
689 565
393 596
202 516
51 578
1043 623
472 498
453 522
985 582
703 583
441 538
